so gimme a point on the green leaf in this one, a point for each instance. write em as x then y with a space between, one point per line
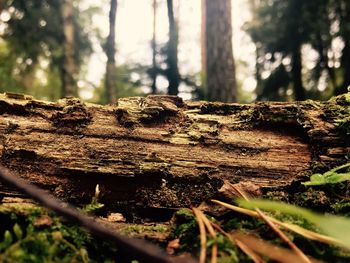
18 231
8 239
93 207
335 226
334 176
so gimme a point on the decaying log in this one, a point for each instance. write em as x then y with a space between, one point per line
159 151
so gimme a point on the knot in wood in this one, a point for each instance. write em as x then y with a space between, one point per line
73 113
150 110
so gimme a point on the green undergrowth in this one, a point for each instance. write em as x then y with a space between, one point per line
35 235
186 230
325 210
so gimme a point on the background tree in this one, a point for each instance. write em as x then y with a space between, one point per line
110 81
203 45
172 71
342 8
281 29
69 67
33 38
220 66
253 6
153 70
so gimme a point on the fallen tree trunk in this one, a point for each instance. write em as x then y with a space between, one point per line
159 151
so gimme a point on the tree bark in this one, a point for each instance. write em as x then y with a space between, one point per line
172 71
110 82
161 152
69 66
220 72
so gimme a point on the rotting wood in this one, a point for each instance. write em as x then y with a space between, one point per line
161 152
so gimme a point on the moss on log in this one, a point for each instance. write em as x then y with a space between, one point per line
159 151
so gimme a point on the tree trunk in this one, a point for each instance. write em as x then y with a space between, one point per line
299 92
343 9
346 68
154 50
111 79
253 6
2 3
220 72
295 48
69 66
172 71
161 152
203 40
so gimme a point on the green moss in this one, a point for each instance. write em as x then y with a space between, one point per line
184 214
339 110
138 229
242 222
228 252
27 237
186 229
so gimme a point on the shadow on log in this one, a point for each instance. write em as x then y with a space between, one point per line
161 152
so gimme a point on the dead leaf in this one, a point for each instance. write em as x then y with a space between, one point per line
116 217
172 246
43 220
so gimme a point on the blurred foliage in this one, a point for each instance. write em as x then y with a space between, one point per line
34 36
129 82
31 52
7 64
281 27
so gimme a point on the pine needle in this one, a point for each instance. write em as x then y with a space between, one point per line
203 236
278 231
275 228
214 251
291 227
249 251
267 249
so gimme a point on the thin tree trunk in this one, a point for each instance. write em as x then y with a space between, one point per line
172 60
162 152
253 9
220 73
322 50
295 46
345 65
343 9
203 41
1 5
154 50
111 78
69 66
299 91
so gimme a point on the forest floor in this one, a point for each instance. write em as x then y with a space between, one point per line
231 229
